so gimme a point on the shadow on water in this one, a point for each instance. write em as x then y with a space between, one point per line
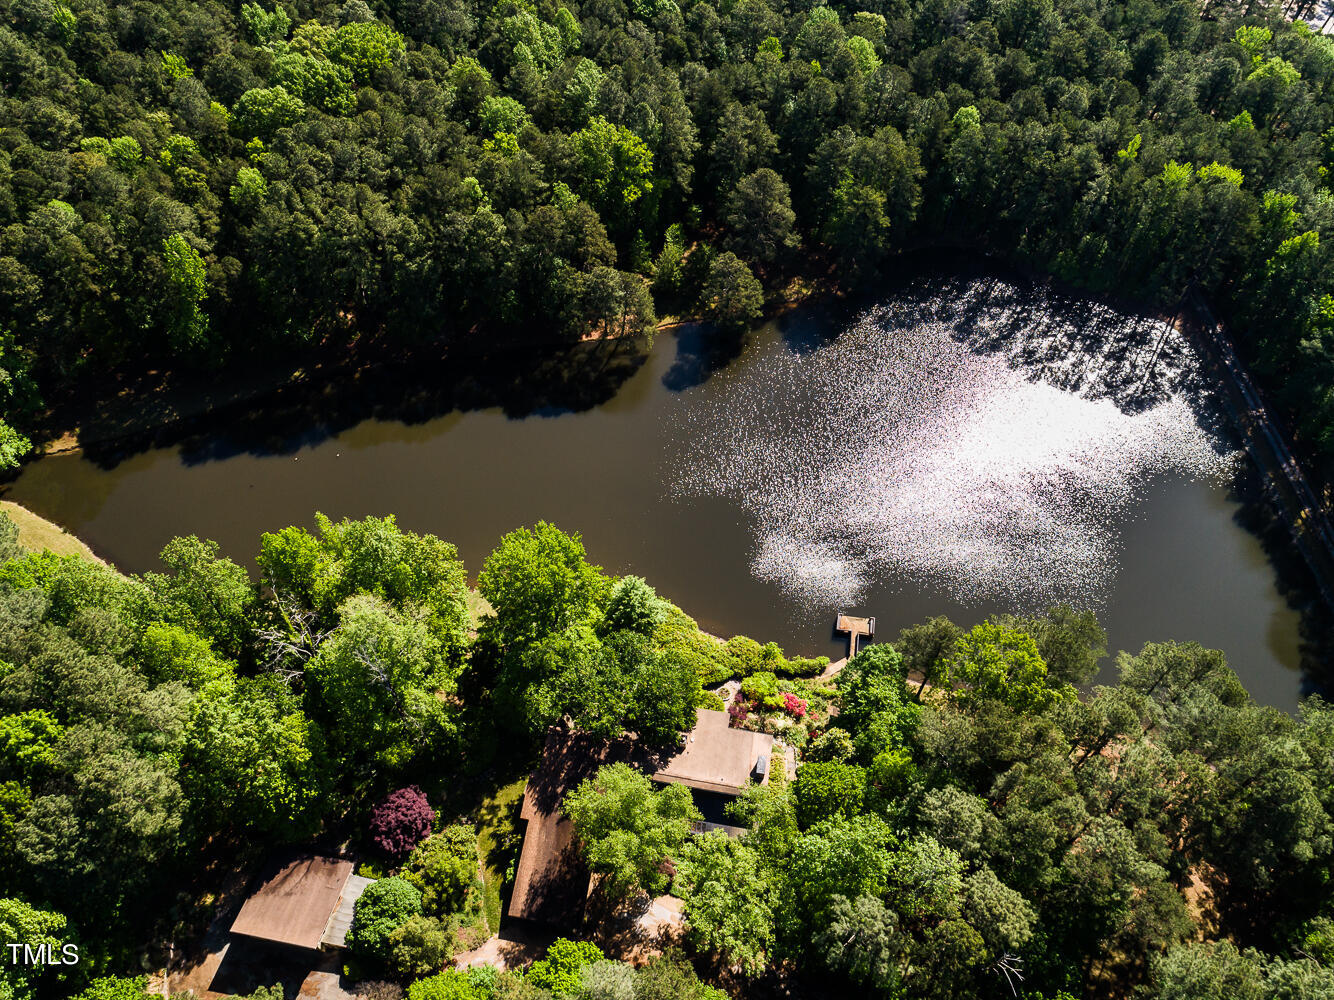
413 389
1071 341
701 350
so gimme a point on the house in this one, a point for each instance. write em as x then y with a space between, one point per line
715 761
304 903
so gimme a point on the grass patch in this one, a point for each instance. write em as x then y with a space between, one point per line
478 607
36 534
497 844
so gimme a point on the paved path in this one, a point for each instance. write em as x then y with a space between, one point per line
513 948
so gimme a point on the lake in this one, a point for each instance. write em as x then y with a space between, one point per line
962 448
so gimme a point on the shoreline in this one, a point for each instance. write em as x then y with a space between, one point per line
166 402
37 534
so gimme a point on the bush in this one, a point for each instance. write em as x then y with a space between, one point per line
747 654
448 985
678 634
116 988
444 868
420 946
711 700
379 989
834 745
400 821
762 689
560 970
383 906
607 980
669 977
802 666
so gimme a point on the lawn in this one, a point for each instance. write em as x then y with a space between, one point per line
36 533
498 844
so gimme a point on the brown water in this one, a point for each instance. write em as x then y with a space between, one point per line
813 473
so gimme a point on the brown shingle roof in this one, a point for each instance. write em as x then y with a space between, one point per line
295 901
551 881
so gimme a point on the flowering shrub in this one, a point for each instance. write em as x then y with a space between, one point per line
739 711
795 706
401 821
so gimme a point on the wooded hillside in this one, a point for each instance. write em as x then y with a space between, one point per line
183 182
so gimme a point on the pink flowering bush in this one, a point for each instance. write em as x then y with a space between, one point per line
401 821
795 706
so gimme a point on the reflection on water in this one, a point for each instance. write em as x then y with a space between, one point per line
896 452
923 458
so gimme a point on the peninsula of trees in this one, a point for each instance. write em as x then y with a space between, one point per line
959 817
187 182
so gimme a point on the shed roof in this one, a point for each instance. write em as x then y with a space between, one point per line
335 932
716 758
295 902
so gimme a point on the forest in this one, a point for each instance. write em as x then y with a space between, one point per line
962 820
189 184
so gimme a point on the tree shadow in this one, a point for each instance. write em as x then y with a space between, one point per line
1122 353
225 414
701 350
249 965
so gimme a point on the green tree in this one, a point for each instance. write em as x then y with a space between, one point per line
632 607
627 829
378 680
205 593
539 581
732 296
993 661
365 48
13 446
826 790
444 868
862 940
614 168
729 900
760 217
262 26
253 761
263 111
24 924
184 269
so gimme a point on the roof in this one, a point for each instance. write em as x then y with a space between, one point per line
717 758
551 882
295 901
335 932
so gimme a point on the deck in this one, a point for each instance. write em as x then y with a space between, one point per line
856 628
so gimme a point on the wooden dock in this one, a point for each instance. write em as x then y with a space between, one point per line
855 627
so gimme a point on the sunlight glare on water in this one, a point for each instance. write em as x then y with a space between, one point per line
975 442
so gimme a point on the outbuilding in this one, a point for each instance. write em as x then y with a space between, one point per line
305 903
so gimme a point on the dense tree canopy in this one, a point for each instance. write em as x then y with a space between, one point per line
204 180
963 818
